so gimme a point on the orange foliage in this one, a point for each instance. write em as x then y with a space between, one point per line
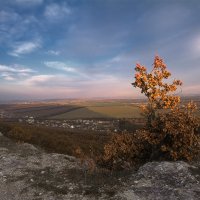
123 151
160 94
170 132
171 127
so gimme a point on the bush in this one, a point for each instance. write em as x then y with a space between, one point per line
171 129
55 139
19 134
174 134
123 151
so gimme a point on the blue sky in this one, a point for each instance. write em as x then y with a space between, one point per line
89 48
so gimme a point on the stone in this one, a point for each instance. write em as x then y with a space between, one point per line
27 172
165 180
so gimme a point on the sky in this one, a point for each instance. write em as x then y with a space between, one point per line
55 49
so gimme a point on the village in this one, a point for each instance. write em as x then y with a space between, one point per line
100 125
95 124
80 124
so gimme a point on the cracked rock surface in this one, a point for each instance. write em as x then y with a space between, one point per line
30 173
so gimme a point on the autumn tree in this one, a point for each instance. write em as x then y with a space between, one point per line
159 93
171 129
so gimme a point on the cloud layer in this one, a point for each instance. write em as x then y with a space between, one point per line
24 48
60 66
89 48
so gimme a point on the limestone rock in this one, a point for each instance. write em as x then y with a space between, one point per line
165 180
29 173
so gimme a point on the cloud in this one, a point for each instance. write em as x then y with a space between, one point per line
15 68
7 76
51 81
29 2
120 65
6 16
95 86
15 26
60 66
14 72
53 52
38 80
33 92
91 43
24 48
102 48
55 11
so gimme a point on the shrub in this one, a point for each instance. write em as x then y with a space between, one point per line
174 134
20 134
55 139
123 151
171 129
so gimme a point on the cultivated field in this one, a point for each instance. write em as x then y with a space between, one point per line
107 111
73 110
77 109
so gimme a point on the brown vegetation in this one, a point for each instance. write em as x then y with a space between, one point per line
56 140
171 130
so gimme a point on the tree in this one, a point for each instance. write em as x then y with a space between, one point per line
160 94
171 127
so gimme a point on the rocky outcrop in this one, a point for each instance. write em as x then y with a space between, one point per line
28 173
165 180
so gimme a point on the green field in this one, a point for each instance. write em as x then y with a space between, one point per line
106 111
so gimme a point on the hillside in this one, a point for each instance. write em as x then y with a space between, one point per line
29 173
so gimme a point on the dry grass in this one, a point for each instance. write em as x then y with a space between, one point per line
56 140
